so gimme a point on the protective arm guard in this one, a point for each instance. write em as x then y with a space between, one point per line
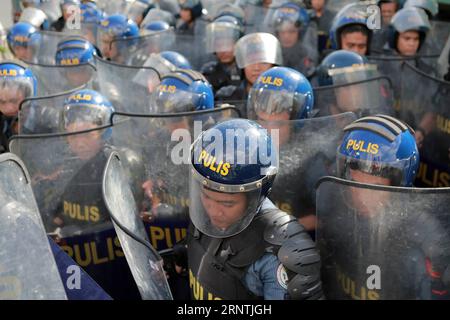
298 253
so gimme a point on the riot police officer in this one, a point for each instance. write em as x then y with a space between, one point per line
381 226
111 34
350 83
323 17
221 37
82 204
191 10
291 24
17 83
24 41
408 31
279 98
232 245
255 53
76 51
349 29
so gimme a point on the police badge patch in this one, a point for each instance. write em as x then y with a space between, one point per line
282 276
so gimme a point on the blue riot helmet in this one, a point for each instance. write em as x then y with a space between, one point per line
341 64
86 110
380 146
233 166
17 83
355 85
280 90
139 9
408 19
164 63
77 54
176 59
223 33
111 31
431 7
24 41
182 91
289 14
194 6
353 18
74 50
90 13
155 27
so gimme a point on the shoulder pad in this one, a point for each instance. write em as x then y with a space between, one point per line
226 92
209 67
280 227
302 260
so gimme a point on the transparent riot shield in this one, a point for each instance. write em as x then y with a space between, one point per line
365 97
307 152
42 114
111 7
128 88
145 263
391 66
162 141
156 14
253 16
443 62
383 243
45 51
52 79
135 51
436 38
336 5
27 267
424 105
66 172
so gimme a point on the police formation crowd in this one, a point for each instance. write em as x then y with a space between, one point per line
336 184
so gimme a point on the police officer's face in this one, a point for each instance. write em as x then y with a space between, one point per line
276 121
108 48
78 77
10 99
355 41
366 201
225 57
349 99
223 209
86 145
186 15
408 43
317 4
388 10
23 53
253 71
288 36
